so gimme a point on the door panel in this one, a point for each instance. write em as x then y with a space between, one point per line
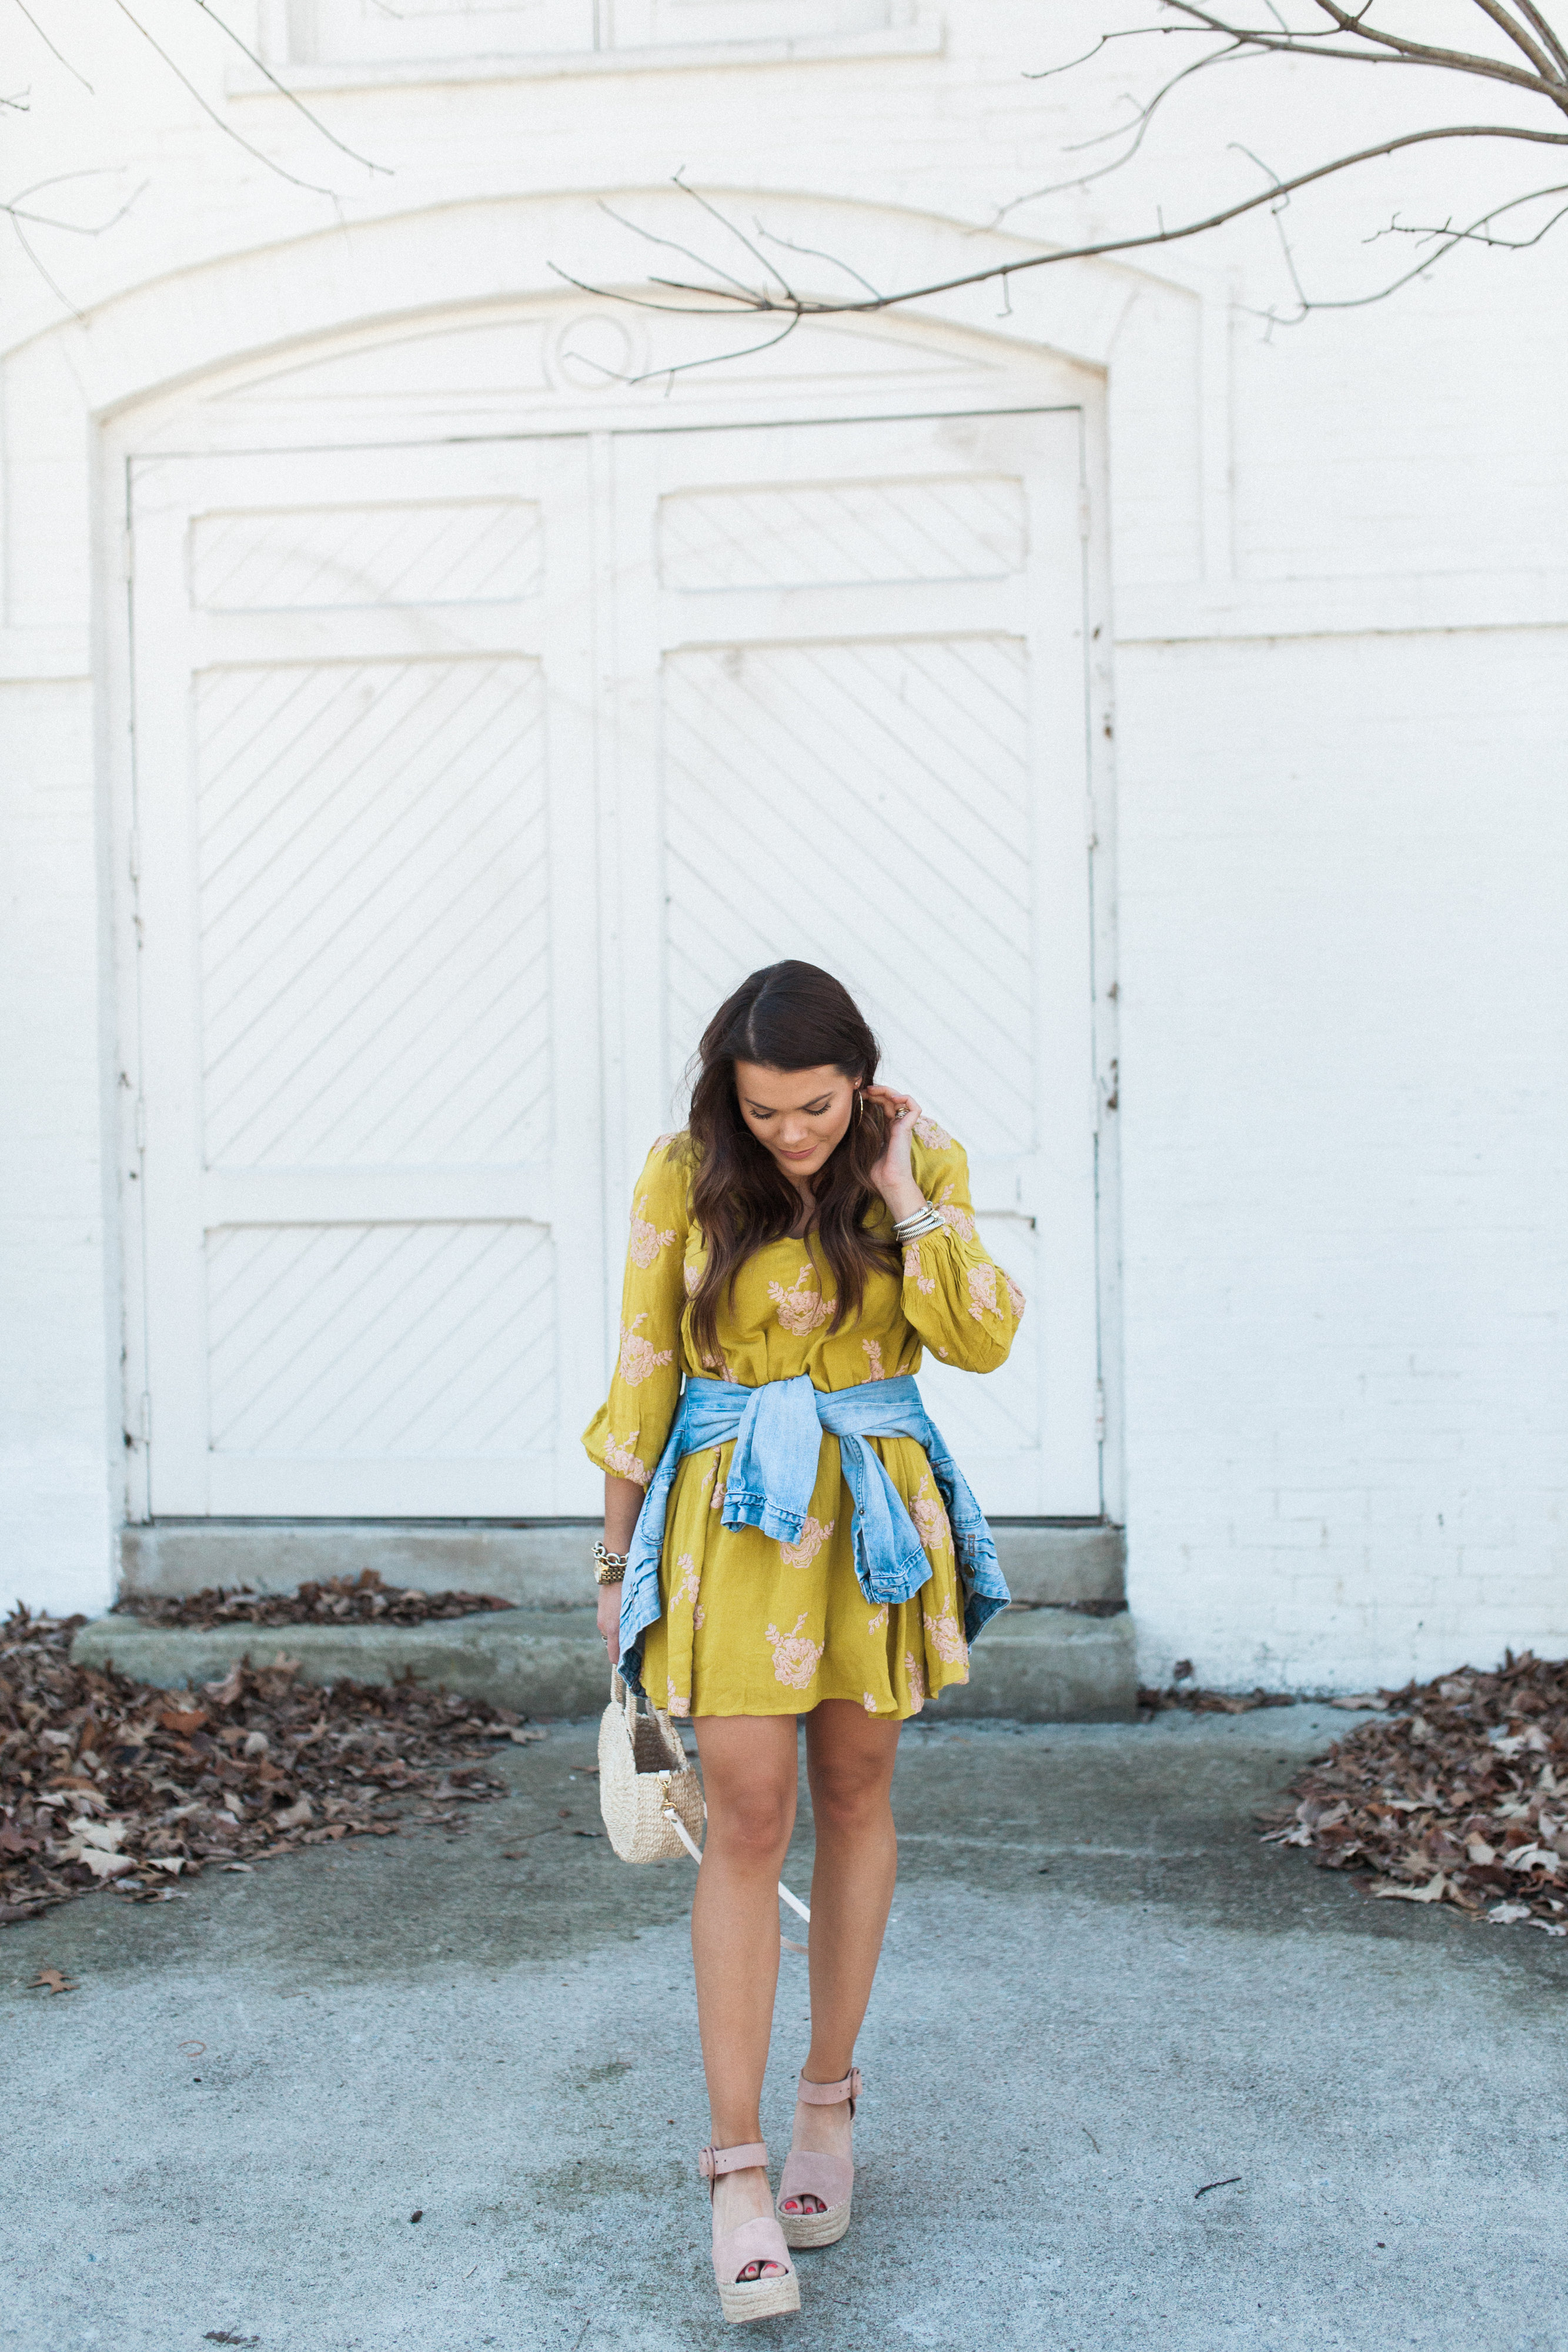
364 807
852 729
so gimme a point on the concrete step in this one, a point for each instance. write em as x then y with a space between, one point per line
1044 1666
545 1565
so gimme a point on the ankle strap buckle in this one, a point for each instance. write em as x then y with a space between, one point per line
713 2161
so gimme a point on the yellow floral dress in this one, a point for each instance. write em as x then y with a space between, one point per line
751 1626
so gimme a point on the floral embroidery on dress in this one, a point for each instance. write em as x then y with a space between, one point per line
929 1516
639 1356
813 1536
690 1583
1016 1298
869 1704
698 1613
982 1282
953 1212
912 1273
946 1635
795 1655
647 1240
873 1358
877 1622
916 1677
691 1276
620 1459
680 1703
800 1309
934 1138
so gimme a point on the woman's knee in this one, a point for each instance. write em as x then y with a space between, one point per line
851 1795
752 1825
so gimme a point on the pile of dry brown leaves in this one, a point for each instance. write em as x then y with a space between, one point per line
104 1781
1458 1794
360 1599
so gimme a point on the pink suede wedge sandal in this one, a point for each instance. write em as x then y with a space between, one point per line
830 2180
757 2241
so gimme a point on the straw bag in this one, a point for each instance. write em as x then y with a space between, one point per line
643 1771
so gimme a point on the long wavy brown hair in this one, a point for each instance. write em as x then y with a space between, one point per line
788 1016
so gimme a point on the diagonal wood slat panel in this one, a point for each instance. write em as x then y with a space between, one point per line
833 534
372 857
397 1340
866 807
312 558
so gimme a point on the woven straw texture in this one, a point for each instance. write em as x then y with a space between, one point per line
642 1768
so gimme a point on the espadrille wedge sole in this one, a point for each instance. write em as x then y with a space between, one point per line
764 2298
759 2239
829 2179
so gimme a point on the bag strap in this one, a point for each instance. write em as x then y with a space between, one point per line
692 1847
622 1694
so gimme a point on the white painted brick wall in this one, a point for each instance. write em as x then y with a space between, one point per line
1342 980
57 1455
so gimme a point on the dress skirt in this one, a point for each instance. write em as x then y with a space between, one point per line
750 1626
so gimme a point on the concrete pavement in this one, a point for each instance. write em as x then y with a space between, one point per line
1099 1994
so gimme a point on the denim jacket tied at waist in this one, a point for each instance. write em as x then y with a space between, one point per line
778 1431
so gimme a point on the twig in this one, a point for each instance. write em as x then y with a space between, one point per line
311 186
283 92
52 50
1228 2183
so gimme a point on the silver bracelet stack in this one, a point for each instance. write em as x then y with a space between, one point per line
923 1219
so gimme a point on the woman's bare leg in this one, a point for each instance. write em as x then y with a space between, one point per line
850 1757
748 1778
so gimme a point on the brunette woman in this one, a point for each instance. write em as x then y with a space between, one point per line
785 1535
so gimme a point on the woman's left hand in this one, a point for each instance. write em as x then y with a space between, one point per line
892 1175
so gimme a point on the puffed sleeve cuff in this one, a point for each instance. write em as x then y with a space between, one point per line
617 1456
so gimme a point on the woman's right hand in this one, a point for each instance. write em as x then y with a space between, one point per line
609 1621
622 1503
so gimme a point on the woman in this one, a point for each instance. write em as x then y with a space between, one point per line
788 1536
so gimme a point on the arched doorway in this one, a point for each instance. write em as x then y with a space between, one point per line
493 714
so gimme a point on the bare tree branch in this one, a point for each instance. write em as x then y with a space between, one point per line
757 299
1538 71
16 211
1559 49
48 45
1421 53
313 186
283 92
17 206
1518 36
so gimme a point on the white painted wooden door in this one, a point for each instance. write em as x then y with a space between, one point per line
851 727
364 786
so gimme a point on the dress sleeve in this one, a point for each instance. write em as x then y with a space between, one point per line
964 1307
626 1435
